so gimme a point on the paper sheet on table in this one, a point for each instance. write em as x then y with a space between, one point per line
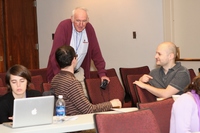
124 109
66 118
70 118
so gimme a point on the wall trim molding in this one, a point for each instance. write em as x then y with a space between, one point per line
168 19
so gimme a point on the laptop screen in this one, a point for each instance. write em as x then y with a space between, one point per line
33 111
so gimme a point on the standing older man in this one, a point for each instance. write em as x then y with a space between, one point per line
170 78
78 33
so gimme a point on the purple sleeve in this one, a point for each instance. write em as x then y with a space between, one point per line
62 36
96 54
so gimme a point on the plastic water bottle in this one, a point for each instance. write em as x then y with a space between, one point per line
60 109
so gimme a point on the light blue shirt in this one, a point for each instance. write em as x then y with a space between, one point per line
79 41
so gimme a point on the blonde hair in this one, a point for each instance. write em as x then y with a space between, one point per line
79 8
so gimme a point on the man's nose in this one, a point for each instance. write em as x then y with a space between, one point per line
81 23
156 56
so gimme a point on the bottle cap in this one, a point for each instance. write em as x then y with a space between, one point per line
60 96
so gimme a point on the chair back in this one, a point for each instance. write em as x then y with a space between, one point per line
131 71
3 90
131 79
162 112
40 71
144 96
46 86
3 77
31 85
37 82
97 95
109 72
1 83
141 121
192 74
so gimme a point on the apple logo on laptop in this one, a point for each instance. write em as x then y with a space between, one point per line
34 111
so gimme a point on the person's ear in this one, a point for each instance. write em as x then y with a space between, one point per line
74 60
171 56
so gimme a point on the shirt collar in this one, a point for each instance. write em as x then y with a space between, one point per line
67 72
178 64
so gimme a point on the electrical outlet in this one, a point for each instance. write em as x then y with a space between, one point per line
134 34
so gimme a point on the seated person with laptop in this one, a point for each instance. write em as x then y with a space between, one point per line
18 79
64 83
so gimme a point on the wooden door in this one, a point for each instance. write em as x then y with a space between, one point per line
21 33
2 60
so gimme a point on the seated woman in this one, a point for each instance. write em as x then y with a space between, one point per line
18 79
64 83
185 116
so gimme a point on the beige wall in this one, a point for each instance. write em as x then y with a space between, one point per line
114 22
181 24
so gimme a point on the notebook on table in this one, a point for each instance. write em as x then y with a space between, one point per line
32 111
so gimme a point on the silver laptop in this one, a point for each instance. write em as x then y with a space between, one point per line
32 111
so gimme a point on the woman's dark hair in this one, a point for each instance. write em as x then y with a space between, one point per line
18 70
195 85
64 55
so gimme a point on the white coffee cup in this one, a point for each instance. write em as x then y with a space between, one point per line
159 99
175 97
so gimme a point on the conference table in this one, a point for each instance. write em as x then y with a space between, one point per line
71 124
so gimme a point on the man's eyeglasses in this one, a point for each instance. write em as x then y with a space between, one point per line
81 21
